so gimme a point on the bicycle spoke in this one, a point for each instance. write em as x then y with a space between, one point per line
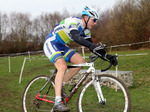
31 103
116 100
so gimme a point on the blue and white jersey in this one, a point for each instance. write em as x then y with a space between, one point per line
56 40
62 30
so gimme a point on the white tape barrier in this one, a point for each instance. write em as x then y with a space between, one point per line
33 58
22 69
135 54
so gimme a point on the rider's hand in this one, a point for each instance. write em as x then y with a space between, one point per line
112 59
98 49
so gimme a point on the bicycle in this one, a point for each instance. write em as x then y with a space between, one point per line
97 94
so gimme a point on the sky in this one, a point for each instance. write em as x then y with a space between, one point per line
37 7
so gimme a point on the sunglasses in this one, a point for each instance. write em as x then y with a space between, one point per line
94 20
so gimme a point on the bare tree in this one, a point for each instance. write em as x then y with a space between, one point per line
44 24
20 28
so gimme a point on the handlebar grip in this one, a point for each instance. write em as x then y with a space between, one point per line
103 70
94 57
115 56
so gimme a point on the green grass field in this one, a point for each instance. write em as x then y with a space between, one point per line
11 91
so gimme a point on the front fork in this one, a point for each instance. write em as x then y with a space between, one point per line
99 92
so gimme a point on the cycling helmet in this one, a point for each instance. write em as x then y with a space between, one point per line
91 12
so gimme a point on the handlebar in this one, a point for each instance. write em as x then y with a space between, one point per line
95 57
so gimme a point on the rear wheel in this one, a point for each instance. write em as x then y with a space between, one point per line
29 101
116 95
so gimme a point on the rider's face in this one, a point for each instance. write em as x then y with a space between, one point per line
91 22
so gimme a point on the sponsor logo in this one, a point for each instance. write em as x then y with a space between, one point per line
59 28
73 26
58 58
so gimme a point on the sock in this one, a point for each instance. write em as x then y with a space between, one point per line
64 83
57 99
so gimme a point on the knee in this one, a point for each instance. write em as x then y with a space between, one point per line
63 68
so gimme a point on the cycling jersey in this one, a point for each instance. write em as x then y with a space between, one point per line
62 30
56 40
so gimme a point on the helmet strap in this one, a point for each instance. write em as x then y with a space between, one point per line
86 22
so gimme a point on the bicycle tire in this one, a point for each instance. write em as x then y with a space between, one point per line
29 100
117 100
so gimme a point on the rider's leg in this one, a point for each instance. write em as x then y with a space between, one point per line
61 66
76 59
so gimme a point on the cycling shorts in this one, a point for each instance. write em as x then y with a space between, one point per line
55 50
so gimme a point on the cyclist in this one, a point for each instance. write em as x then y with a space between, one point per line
78 30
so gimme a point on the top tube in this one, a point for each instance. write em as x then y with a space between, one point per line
92 59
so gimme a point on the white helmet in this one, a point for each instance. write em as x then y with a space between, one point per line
91 12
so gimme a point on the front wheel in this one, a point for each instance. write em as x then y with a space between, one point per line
115 94
31 103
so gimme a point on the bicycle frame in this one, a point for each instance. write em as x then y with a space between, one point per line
39 94
91 70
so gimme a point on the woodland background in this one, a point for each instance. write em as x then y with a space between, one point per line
127 22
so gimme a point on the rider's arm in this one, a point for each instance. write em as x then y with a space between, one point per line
89 39
97 49
78 39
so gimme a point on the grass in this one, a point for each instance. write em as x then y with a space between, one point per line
11 91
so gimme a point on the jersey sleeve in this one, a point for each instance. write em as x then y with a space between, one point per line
78 39
72 25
